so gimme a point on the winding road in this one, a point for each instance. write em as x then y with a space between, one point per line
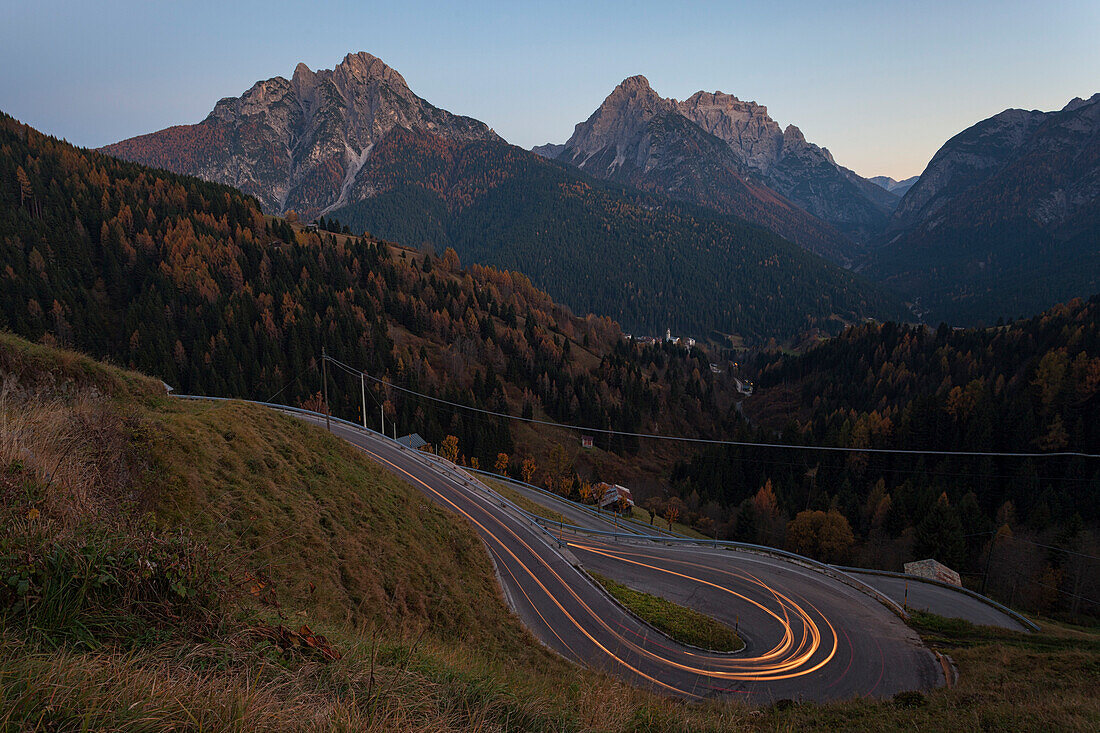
807 635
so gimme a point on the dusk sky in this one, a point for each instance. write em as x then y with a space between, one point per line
881 84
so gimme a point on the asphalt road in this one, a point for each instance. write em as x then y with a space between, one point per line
921 596
808 636
581 516
940 601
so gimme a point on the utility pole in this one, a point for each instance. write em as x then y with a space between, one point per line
324 378
363 394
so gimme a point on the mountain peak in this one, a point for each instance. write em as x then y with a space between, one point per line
364 66
637 83
303 143
793 134
720 101
634 92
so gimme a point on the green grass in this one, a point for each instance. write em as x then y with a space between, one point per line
685 625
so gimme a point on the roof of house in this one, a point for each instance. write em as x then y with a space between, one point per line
413 441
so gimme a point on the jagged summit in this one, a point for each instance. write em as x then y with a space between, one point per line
364 66
635 96
301 143
642 138
632 84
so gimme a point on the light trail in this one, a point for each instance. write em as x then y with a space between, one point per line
798 652
784 658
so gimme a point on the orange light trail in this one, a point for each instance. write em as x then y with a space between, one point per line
791 657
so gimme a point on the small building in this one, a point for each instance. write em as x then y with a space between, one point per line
586 441
933 570
615 497
414 441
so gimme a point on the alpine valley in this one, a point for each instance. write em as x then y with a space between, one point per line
356 144
651 197
672 419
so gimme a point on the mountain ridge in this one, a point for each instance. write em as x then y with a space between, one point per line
756 154
1004 220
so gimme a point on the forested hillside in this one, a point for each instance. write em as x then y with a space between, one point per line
187 280
641 259
1032 386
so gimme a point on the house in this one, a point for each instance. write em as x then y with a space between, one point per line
613 496
413 441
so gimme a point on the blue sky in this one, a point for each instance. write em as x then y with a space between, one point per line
881 84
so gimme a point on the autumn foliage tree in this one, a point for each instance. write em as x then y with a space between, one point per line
527 470
826 536
448 449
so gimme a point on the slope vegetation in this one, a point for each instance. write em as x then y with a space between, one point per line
645 261
174 565
1025 528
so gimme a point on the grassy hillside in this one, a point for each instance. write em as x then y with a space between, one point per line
160 559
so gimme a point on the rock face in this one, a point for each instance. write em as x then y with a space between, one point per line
642 139
1057 152
300 143
965 160
803 172
1005 219
617 142
744 126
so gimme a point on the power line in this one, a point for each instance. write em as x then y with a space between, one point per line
712 441
1014 538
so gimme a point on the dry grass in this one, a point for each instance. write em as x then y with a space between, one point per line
405 590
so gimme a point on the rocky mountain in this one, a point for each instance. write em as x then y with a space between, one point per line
1005 219
732 157
356 144
300 143
800 170
649 262
898 188
641 139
